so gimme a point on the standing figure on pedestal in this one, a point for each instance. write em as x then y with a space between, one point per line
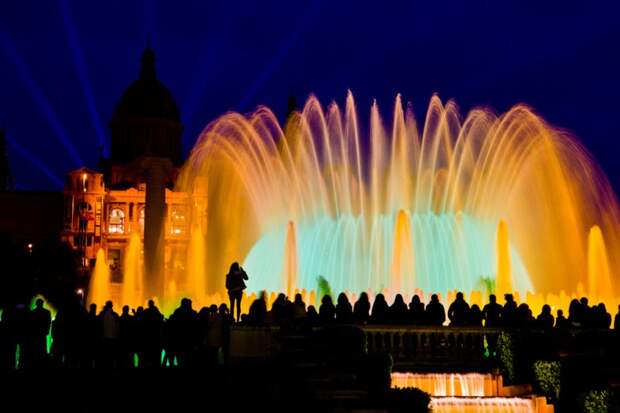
235 285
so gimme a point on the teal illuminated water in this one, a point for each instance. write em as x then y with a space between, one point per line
438 252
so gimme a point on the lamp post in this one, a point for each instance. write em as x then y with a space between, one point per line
80 293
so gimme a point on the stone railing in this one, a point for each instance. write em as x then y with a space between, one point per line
406 344
452 347
449 346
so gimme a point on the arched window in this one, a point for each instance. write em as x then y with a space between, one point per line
141 218
116 221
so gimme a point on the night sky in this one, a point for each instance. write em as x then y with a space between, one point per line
64 65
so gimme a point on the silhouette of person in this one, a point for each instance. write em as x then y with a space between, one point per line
398 311
126 335
509 311
545 319
312 317
298 308
280 310
435 313
226 321
475 316
380 310
344 311
202 323
40 322
109 333
183 328
235 285
10 336
214 336
602 317
585 313
361 309
617 320
458 312
22 322
525 319
561 323
491 312
73 332
152 322
574 314
258 310
327 311
416 311
492 315
93 336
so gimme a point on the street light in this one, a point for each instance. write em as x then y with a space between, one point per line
80 293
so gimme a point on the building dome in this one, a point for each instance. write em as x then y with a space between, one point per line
147 97
146 121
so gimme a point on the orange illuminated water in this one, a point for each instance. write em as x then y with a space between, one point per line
99 289
471 392
434 206
483 405
451 384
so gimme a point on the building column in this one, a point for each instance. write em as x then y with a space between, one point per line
156 173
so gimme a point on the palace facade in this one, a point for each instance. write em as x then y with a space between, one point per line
103 208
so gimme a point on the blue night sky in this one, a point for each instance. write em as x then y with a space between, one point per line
64 65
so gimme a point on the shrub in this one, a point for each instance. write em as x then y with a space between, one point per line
547 376
595 401
505 353
411 400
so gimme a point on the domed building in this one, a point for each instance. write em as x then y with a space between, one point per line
135 185
146 119
146 122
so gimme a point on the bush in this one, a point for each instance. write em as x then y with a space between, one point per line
409 400
506 356
547 376
595 401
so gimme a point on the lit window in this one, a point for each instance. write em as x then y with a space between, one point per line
84 182
141 219
85 211
116 222
178 220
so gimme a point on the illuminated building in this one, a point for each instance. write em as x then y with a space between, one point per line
102 209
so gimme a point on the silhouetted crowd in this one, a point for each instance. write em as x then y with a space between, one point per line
87 338
460 313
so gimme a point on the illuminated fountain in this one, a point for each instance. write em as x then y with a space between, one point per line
99 289
434 207
453 384
486 405
472 392
133 273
